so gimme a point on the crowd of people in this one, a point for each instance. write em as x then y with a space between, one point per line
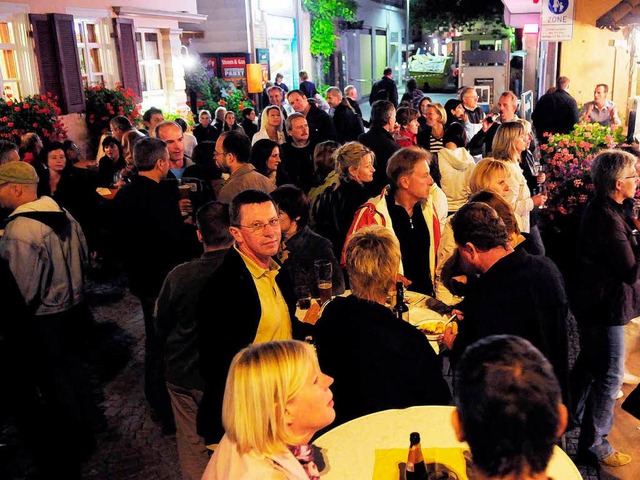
441 197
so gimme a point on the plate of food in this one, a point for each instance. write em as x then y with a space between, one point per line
413 298
433 329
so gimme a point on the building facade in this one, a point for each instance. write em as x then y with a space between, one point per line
64 46
594 54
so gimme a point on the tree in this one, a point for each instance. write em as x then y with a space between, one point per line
433 15
324 14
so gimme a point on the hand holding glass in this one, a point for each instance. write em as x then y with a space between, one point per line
324 275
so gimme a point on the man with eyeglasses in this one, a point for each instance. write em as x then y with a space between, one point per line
469 98
232 153
607 286
474 114
260 297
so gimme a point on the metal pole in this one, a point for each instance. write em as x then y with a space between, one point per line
407 39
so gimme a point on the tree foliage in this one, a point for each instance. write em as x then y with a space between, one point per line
433 15
324 14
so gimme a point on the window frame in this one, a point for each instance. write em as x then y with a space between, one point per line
85 47
27 80
147 63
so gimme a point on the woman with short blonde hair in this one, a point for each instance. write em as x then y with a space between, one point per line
363 345
373 260
490 174
275 400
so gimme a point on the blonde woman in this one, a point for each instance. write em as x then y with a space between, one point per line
360 340
275 400
431 136
508 144
335 208
271 125
488 174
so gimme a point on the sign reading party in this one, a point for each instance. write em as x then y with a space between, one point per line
557 20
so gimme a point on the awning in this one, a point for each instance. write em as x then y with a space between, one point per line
627 12
517 13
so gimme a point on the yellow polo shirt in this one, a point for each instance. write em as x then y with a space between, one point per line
275 323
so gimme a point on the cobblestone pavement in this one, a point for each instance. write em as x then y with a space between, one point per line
133 446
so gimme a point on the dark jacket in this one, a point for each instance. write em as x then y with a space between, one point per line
301 250
377 361
107 169
249 128
76 194
176 319
358 110
383 145
208 133
414 97
297 163
335 208
387 85
228 314
151 234
608 290
308 88
555 112
476 115
347 124
521 295
321 125
482 142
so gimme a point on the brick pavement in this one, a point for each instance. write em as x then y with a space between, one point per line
133 446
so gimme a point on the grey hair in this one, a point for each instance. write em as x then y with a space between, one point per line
607 169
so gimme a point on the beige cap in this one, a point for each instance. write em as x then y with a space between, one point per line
18 172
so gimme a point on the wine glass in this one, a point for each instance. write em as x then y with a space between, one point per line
536 169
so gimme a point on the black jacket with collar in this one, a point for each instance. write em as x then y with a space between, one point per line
228 314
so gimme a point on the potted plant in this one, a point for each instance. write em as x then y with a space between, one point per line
567 159
37 113
105 103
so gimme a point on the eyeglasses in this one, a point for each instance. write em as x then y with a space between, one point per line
217 154
258 227
635 177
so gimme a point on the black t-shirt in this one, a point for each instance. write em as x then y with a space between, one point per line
413 234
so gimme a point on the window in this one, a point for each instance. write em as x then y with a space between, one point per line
90 48
9 76
149 48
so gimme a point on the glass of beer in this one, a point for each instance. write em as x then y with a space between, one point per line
324 274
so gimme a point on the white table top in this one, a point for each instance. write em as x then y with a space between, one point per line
349 449
418 312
